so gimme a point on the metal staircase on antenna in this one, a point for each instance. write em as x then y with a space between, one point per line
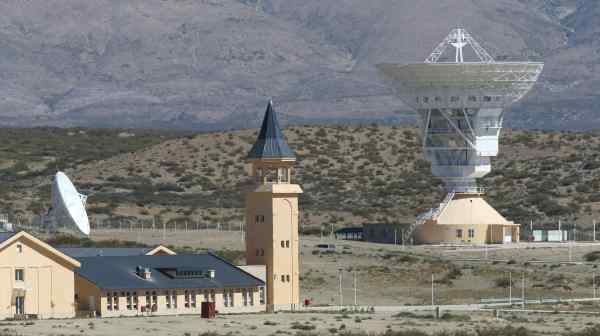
431 214
459 38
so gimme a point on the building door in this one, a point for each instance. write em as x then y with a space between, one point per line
92 303
508 235
20 305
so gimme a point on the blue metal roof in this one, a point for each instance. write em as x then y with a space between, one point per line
270 143
119 272
83 252
5 236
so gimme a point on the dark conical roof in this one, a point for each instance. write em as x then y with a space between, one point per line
270 143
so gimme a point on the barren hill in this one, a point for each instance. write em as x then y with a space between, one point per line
350 174
211 64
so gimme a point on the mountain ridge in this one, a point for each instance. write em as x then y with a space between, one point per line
213 64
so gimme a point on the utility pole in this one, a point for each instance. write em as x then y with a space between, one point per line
571 251
594 283
510 288
559 227
523 291
355 290
402 233
340 289
432 291
531 226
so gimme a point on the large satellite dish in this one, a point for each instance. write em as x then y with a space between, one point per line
68 206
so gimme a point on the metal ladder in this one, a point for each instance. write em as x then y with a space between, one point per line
430 214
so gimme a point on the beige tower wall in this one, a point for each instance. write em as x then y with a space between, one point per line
278 237
48 284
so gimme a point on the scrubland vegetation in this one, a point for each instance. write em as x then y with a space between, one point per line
350 174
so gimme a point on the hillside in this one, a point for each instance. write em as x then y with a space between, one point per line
350 175
212 64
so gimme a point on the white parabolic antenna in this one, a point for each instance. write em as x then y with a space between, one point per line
68 205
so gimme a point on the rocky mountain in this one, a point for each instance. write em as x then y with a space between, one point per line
210 64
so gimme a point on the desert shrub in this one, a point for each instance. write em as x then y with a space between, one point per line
592 256
503 282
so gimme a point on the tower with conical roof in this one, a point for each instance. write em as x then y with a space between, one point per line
272 215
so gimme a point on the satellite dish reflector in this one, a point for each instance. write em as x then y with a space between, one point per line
68 205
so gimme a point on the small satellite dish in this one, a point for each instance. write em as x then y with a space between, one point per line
68 205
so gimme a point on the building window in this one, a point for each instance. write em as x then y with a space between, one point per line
206 299
231 298
168 299
193 299
282 243
287 243
148 303
135 300
154 301
19 248
174 299
244 297
213 296
129 301
459 233
262 252
20 274
186 299
471 233
109 302
287 278
116 301
283 278
226 298
261 295
251 296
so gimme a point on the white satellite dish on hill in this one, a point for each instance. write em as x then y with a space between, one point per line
68 206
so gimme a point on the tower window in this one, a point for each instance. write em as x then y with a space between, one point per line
282 243
287 243
19 274
283 278
262 252
287 278
261 295
471 233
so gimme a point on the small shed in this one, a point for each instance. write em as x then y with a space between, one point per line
349 233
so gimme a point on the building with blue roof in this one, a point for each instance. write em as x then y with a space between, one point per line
134 285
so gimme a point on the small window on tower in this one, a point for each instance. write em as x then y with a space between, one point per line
283 278
287 243
282 243
262 252
287 278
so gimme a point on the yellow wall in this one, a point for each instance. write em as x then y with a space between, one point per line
432 233
48 281
181 308
278 203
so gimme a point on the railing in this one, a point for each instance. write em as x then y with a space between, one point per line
430 214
